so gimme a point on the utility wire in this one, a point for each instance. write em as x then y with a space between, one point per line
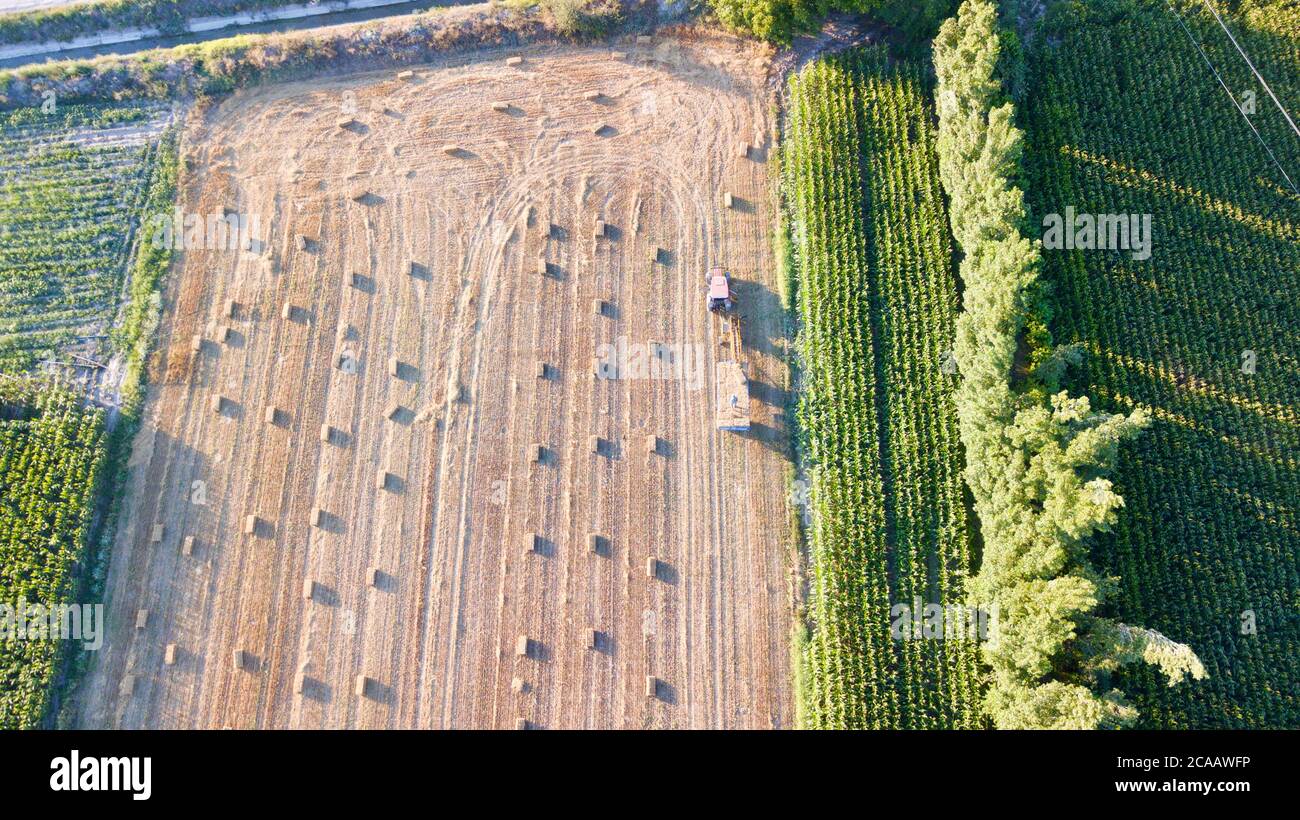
1253 70
1240 110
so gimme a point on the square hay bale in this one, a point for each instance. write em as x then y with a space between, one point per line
308 589
317 516
392 411
521 724
196 344
381 480
532 543
514 61
361 687
128 686
593 639
394 366
517 685
250 524
299 683
727 200
345 122
501 106
652 444
141 618
300 242
598 307
216 403
451 149
652 567
592 96
599 128
271 415
651 686
156 534
169 654
223 334
593 444
413 269
543 267
535 452
521 646
187 546
229 310
372 577
240 659
358 194
540 370
354 280
406 75
326 433
286 311
599 232
594 540
742 150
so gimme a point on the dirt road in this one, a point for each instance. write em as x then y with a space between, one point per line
432 540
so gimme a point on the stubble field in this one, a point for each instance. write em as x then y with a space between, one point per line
446 249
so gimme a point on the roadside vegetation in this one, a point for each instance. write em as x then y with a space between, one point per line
221 66
65 23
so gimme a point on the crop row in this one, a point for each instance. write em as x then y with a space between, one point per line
1205 335
876 301
68 206
51 454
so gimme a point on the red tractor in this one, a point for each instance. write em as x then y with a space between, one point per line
720 291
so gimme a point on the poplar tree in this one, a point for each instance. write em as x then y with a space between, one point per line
1037 459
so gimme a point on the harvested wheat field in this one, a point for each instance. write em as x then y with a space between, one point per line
358 528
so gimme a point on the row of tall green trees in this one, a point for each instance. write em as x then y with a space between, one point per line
1037 458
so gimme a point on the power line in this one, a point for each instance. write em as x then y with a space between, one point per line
1240 110
1253 70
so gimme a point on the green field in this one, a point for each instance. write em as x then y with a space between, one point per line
1124 116
876 301
52 450
72 184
